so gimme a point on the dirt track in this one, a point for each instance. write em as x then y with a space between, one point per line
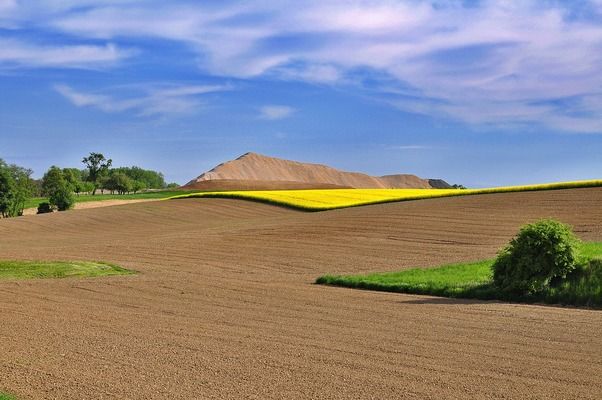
94 204
224 306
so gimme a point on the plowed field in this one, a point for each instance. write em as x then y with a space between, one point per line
224 305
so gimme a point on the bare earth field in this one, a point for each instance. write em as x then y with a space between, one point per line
224 305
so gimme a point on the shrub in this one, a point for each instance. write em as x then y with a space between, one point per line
62 198
542 254
44 208
58 189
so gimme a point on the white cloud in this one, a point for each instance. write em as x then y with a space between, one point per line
495 62
7 5
274 112
20 53
153 99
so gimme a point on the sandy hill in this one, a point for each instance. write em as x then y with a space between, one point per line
256 171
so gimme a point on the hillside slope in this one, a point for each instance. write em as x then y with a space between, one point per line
257 168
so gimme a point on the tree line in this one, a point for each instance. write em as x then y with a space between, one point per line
61 185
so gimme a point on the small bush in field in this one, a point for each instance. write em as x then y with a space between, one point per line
44 208
541 254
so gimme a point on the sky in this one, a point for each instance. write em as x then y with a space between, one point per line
481 93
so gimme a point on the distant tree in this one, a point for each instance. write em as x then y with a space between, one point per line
16 187
36 185
138 186
74 177
118 182
97 166
456 186
24 188
87 187
123 184
151 179
172 185
58 189
7 190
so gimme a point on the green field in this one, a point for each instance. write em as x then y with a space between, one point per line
58 269
162 194
329 199
5 396
474 280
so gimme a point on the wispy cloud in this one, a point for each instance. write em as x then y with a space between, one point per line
493 62
19 53
150 100
274 112
410 147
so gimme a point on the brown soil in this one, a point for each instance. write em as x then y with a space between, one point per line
224 305
232 184
252 168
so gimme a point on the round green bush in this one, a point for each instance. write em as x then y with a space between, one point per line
44 208
541 254
62 197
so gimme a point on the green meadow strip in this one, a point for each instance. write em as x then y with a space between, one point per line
474 281
160 194
58 269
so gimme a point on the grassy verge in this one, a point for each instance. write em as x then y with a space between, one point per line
162 194
6 396
58 269
329 199
474 281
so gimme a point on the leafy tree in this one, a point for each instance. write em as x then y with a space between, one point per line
87 187
97 166
63 198
122 183
7 190
118 182
172 185
138 186
24 188
151 179
58 189
16 186
74 177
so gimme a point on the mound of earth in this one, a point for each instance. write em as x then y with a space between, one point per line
256 171
238 184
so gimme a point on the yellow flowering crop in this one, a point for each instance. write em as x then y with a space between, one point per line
328 199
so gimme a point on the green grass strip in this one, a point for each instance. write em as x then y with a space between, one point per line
474 281
58 269
160 194
6 396
299 198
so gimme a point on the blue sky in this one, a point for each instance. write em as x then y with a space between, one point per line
482 93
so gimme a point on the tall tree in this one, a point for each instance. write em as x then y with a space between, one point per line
7 190
74 177
16 186
97 166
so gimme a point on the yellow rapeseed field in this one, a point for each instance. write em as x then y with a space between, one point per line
328 199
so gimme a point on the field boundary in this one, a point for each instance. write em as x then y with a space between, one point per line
474 280
267 197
